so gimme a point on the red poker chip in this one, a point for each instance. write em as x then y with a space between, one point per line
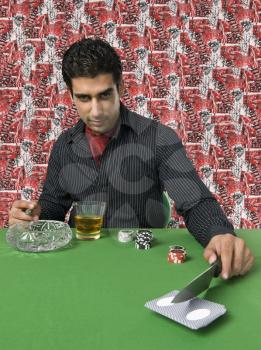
176 254
175 261
183 251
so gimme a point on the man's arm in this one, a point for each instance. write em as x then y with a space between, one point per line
54 199
202 214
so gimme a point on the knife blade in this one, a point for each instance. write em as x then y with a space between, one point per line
199 283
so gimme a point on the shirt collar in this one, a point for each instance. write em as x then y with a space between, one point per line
126 119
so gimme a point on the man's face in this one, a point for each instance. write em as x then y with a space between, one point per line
97 101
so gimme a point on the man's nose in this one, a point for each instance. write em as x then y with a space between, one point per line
95 108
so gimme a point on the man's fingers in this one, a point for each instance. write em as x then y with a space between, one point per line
24 211
208 252
37 210
227 248
247 265
239 257
235 256
210 255
22 204
212 250
20 215
17 221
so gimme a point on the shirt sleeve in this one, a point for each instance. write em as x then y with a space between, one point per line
202 214
54 200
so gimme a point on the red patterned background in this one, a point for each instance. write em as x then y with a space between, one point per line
192 65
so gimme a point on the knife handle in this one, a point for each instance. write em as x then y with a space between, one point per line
218 268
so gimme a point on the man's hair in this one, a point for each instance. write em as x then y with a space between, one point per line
89 58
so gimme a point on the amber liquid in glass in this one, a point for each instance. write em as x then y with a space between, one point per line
88 226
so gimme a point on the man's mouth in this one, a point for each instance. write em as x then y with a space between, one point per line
96 122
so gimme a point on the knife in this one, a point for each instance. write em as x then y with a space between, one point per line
199 283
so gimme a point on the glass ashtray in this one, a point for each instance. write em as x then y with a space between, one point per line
39 236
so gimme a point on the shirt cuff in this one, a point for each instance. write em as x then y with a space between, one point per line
219 230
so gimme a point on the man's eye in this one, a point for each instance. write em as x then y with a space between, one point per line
106 94
84 98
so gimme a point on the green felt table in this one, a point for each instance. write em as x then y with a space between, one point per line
91 295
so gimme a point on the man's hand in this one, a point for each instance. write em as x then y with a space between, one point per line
17 214
235 256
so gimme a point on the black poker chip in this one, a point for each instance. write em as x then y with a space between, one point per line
143 239
144 234
144 231
144 245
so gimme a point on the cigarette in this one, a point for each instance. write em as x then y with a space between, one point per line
29 211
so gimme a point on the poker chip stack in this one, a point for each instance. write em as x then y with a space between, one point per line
143 239
177 254
125 236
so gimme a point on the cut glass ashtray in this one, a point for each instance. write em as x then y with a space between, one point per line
39 236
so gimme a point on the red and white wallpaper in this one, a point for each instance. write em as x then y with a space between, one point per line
192 65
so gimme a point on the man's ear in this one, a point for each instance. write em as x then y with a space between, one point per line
121 87
71 94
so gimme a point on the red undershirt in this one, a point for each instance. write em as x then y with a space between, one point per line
98 142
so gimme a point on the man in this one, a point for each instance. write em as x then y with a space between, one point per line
118 156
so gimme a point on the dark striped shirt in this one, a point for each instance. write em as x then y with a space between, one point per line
142 159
